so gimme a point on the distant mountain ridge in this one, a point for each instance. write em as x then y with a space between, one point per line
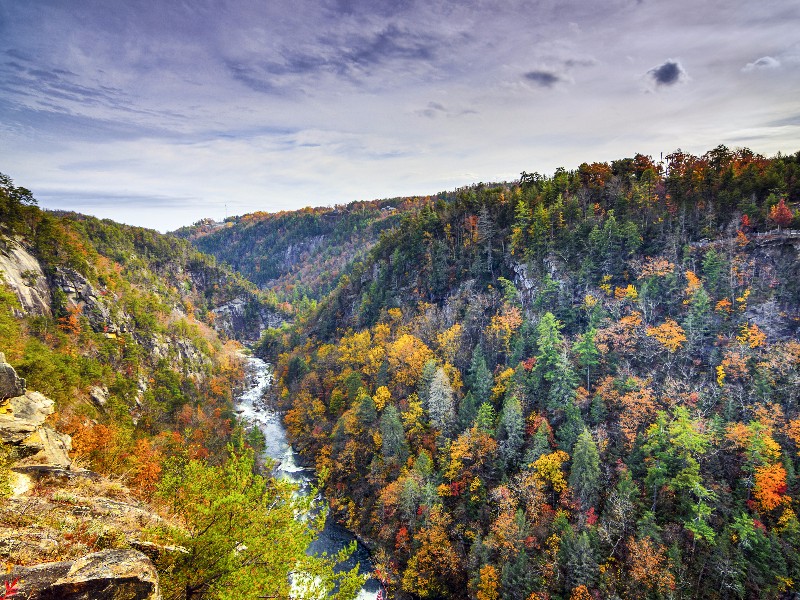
298 253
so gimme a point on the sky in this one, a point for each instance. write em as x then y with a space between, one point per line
162 112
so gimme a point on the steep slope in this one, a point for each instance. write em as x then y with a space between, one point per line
583 385
117 429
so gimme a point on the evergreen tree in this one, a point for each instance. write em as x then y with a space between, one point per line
540 444
517 577
510 432
242 533
579 560
571 428
587 352
441 407
480 378
467 411
486 233
425 380
550 343
484 421
519 231
584 478
698 320
393 441
366 411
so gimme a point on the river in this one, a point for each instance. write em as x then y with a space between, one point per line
251 407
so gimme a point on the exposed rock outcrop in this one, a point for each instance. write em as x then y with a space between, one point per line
99 395
244 319
79 292
46 447
11 385
21 416
21 271
109 574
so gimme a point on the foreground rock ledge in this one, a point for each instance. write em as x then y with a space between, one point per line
105 575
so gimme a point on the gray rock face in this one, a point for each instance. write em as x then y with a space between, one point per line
22 424
105 575
10 384
242 320
23 415
99 395
45 447
25 276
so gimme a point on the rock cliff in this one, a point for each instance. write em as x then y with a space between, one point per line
108 574
25 276
59 511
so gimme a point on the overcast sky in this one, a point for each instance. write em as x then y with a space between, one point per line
162 112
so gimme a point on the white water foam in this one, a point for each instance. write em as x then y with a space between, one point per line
251 407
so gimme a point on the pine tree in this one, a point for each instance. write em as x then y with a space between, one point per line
698 321
563 386
510 432
393 441
480 378
517 577
366 412
486 235
540 444
571 428
484 421
587 352
467 410
580 561
241 533
425 380
584 478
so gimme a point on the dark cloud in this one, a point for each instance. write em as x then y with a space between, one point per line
393 43
790 121
254 77
580 62
433 110
354 57
362 7
436 109
542 78
667 74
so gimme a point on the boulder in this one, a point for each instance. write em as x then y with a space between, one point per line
10 384
34 579
23 415
104 575
45 447
99 395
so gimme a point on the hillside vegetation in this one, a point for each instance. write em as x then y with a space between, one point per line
297 254
578 386
127 333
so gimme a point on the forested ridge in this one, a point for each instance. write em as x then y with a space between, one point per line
297 254
582 385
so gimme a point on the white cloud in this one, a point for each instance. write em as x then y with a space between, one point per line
765 63
183 107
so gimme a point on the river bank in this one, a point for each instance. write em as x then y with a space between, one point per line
251 406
